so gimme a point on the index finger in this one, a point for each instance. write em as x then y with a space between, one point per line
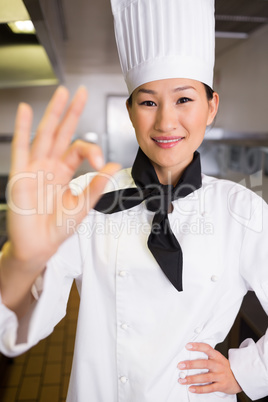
202 347
21 139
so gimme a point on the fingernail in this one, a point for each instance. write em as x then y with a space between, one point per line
62 88
181 365
182 381
99 162
82 88
189 346
192 389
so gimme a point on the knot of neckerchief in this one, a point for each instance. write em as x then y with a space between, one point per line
158 197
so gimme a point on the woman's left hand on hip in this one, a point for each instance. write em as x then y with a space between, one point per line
218 378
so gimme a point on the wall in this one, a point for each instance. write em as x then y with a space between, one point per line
93 118
241 78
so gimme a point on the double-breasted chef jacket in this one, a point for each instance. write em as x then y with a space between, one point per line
133 325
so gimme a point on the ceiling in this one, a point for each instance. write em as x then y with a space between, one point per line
87 30
78 37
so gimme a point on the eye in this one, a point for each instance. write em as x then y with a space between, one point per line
184 100
148 103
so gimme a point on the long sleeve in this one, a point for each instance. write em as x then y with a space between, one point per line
249 363
54 287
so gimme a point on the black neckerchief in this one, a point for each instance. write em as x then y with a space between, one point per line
162 242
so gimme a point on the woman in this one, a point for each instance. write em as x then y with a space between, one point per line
145 332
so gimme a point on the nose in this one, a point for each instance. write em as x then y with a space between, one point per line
166 119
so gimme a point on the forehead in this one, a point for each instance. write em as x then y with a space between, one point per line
169 85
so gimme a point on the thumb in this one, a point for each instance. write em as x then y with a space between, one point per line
95 188
81 204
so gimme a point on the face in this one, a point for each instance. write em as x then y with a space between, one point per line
170 118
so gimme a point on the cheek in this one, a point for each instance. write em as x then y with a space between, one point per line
141 124
198 120
139 129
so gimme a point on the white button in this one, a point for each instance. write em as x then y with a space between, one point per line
204 214
124 326
214 278
123 379
182 375
122 274
131 213
198 330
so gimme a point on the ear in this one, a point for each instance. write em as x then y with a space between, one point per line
213 108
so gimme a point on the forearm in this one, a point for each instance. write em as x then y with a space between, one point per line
16 280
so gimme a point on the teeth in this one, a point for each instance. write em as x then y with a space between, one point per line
168 141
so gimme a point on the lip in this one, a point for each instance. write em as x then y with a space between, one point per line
167 142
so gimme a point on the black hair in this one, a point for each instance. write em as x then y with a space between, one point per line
129 100
209 93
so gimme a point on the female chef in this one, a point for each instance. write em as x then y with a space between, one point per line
164 259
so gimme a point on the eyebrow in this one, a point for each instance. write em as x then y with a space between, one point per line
152 92
184 88
147 91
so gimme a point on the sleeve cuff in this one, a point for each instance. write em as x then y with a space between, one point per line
38 286
250 368
51 293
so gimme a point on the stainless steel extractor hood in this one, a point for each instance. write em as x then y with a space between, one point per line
26 60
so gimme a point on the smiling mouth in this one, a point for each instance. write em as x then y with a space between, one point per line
165 141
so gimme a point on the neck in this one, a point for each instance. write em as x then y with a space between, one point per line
170 175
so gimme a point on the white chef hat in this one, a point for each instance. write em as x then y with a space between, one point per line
160 39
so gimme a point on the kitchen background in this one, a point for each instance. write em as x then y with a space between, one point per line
74 45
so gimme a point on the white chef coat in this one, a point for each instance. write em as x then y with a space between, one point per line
133 325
